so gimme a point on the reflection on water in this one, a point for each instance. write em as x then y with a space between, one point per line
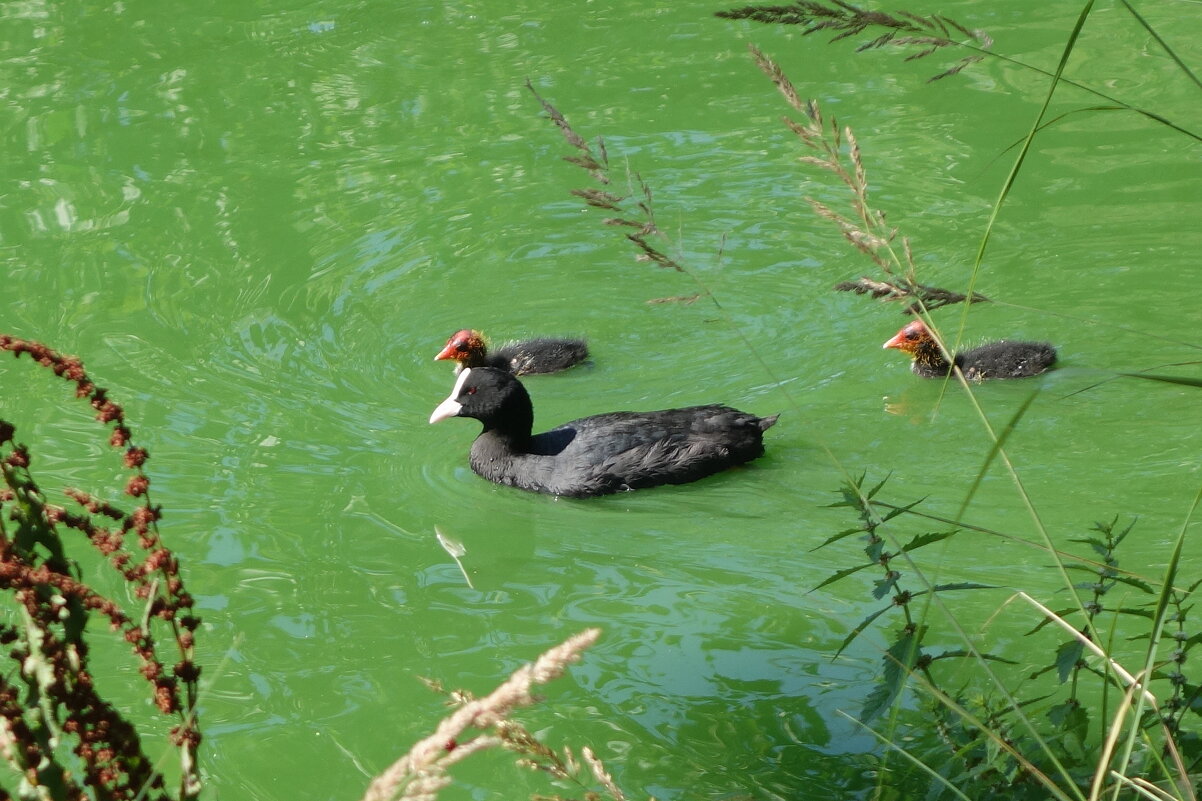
455 549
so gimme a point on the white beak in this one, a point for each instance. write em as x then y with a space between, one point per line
450 407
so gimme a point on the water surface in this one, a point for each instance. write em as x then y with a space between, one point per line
257 223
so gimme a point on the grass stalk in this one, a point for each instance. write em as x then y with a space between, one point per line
1129 679
1169 51
866 230
1110 742
875 242
1160 616
995 448
1024 149
812 134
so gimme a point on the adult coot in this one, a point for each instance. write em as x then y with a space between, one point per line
993 360
542 355
600 454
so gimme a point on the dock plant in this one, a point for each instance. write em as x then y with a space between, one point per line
60 736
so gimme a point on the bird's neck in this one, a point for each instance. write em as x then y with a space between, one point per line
928 358
514 429
500 458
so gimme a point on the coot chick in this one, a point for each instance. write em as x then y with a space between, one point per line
993 360
542 355
600 454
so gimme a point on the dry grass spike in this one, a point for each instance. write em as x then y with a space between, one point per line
929 34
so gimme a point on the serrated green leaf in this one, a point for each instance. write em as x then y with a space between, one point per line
1136 583
872 492
960 653
899 659
1072 720
927 539
1039 699
1082 568
898 510
1098 546
1071 717
840 536
1037 673
1067 656
1133 612
1126 531
961 585
841 574
865 623
882 587
877 702
851 495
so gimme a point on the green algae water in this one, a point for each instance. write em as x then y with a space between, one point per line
257 223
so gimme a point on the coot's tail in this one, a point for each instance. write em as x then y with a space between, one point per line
765 423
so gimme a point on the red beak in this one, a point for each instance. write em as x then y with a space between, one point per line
446 353
897 340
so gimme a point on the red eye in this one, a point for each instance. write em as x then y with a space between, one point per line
471 390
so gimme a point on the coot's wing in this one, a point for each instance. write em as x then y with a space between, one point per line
543 354
1007 359
629 450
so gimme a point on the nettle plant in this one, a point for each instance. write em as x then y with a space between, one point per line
1080 724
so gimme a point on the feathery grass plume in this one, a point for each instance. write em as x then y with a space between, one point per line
935 32
52 717
682 299
924 35
865 229
537 756
421 773
932 296
641 217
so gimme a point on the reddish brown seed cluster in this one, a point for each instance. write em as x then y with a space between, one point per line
58 602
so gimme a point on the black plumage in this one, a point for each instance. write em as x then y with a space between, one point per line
1004 359
468 348
601 454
